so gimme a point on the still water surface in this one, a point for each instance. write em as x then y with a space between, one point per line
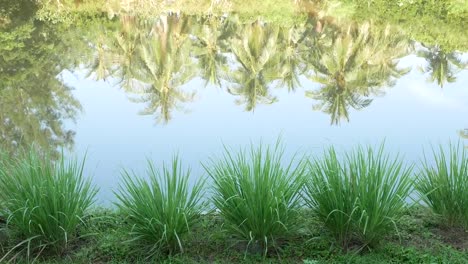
130 88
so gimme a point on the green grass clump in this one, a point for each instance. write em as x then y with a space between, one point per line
159 212
443 185
256 195
43 201
360 198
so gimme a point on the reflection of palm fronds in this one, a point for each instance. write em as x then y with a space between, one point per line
353 65
290 64
161 65
337 104
163 101
442 67
256 53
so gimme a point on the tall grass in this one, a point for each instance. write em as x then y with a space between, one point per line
44 201
256 195
161 210
443 185
360 197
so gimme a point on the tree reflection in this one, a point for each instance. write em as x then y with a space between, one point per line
212 35
162 65
34 101
290 63
255 50
155 58
352 65
442 67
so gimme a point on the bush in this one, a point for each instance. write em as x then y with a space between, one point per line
159 212
360 198
44 201
257 197
443 186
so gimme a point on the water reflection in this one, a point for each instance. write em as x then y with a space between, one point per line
34 102
442 67
153 60
353 65
255 48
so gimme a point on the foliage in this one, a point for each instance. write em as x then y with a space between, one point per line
154 58
255 50
43 201
360 197
256 195
34 101
353 64
445 20
442 67
209 244
443 184
161 211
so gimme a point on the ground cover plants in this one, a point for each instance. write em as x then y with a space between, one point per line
443 184
256 195
162 210
339 207
43 202
358 197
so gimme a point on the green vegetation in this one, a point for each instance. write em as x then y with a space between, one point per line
34 101
440 23
442 67
360 198
356 62
154 53
351 48
154 59
159 213
43 202
444 19
258 197
443 184
420 240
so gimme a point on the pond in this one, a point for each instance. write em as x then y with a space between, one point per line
123 87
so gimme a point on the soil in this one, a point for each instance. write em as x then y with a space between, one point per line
454 236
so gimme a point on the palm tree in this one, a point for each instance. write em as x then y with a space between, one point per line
163 65
102 63
115 51
211 39
255 50
290 64
337 104
442 67
125 47
353 65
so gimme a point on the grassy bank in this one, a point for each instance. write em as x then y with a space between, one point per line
421 240
349 207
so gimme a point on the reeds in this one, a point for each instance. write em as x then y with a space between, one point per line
443 184
359 198
161 210
43 201
257 196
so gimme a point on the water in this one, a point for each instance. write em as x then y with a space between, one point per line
130 88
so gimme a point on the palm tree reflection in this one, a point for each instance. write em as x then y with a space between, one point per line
353 65
442 66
